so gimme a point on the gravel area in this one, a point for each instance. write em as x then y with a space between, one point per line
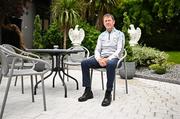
172 76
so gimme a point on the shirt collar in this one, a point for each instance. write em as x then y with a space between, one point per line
111 31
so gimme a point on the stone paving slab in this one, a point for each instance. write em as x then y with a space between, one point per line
147 99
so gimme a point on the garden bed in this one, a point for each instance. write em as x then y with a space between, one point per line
172 76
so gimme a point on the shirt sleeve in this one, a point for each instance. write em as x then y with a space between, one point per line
97 52
120 47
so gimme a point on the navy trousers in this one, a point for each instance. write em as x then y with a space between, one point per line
92 63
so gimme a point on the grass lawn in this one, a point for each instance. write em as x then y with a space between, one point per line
174 56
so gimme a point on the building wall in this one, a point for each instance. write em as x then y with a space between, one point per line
27 25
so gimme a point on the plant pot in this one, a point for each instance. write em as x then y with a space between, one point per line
131 69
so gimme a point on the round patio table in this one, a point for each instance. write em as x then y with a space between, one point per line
58 55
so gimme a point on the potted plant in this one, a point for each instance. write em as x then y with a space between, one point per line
130 64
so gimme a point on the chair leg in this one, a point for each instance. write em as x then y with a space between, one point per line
114 91
125 68
91 71
102 79
36 80
43 91
32 87
22 84
5 97
15 81
0 78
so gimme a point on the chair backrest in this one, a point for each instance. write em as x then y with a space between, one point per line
9 47
78 57
121 54
4 62
17 62
21 62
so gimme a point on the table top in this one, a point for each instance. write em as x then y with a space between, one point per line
56 51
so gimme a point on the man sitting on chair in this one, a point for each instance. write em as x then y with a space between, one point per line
107 52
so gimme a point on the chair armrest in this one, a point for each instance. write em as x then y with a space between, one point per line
17 56
19 51
122 58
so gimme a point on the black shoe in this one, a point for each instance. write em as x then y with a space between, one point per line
107 99
87 95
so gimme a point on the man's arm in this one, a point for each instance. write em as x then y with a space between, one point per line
97 51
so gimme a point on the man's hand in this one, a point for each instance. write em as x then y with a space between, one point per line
102 62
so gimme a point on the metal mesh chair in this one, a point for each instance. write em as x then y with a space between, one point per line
75 59
19 64
122 58
10 70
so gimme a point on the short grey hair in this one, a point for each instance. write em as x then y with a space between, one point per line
109 15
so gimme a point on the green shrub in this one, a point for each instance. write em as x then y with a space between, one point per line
91 36
47 39
145 56
126 23
52 36
158 68
37 37
161 68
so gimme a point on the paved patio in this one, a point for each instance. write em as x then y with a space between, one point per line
147 99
